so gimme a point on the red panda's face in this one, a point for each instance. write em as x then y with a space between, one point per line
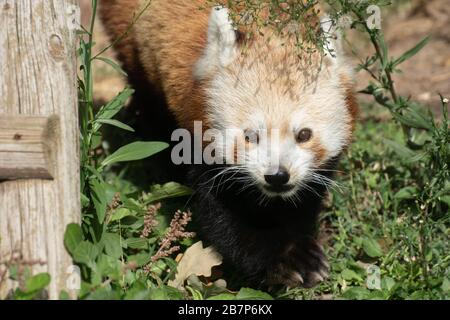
287 116
281 140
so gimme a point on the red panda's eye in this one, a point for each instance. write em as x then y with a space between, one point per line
304 135
251 136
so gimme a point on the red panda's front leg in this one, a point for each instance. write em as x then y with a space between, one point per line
267 245
303 264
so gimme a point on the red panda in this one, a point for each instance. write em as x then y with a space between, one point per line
259 216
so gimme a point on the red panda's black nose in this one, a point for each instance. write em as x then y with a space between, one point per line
278 179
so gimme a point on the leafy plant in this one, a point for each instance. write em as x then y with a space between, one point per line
110 246
29 286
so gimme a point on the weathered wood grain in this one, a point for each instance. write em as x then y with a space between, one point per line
38 78
26 144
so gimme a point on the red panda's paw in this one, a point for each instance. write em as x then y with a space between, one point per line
303 265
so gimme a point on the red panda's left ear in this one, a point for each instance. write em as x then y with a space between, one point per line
221 46
333 44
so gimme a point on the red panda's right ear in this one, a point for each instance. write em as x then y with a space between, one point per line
221 45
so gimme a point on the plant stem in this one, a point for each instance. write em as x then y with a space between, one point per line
374 40
423 245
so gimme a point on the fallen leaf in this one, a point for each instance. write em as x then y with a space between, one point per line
196 261
179 257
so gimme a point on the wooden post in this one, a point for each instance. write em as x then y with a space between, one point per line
39 161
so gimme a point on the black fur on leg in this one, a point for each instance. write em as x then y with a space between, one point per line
268 242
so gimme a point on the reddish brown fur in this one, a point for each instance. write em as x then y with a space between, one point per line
350 99
167 50
318 150
116 25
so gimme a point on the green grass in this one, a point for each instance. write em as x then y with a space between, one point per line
375 221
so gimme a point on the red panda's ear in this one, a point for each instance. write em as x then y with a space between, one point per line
221 45
333 44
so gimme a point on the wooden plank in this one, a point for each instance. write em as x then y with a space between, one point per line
38 78
26 144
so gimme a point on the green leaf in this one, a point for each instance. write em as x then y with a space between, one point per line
104 294
14 272
166 191
372 248
107 266
85 201
252 294
115 123
120 214
63 295
112 108
173 293
96 140
113 64
388 283
401 150
349 275
20 295
407 193
132 204
357 293
445 285
113 247
196 294
86 253
164 293
414 119
223 296
73 237
384 48
419 295
37 282
137 294
138 291
158 267
141 259
99 198
135 151
137 243
158 294
445 199
411 52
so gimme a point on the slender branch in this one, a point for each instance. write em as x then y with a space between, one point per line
127 31
376 45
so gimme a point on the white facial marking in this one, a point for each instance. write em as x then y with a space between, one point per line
269 89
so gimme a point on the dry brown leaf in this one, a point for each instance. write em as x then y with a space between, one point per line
196 261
